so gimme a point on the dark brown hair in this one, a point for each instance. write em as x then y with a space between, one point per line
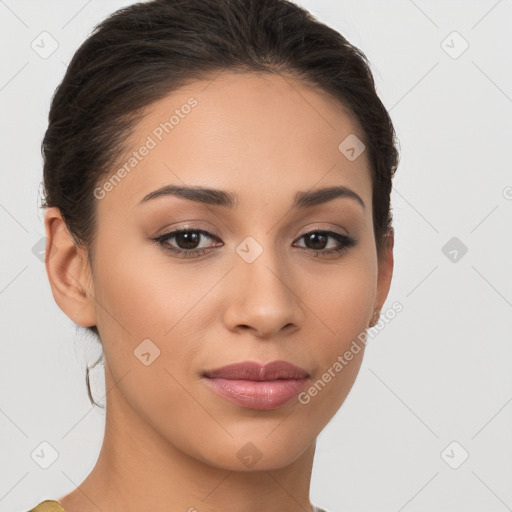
143 52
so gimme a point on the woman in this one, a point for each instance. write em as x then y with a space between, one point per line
217 180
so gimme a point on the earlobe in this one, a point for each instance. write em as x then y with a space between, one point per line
68 271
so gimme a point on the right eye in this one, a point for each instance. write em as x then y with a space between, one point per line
187 241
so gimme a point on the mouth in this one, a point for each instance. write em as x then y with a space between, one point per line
257 386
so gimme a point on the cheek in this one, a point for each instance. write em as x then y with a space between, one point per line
148 313
342 300
342 297
141 294
138 303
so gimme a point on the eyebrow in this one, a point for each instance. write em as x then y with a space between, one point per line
217 197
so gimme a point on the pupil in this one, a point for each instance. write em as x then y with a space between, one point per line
189 240
318 237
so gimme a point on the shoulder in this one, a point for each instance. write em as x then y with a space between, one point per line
48 506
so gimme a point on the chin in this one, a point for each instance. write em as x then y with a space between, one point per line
255 450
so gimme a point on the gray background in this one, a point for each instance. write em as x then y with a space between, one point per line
439 372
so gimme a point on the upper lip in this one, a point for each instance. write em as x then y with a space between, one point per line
251 370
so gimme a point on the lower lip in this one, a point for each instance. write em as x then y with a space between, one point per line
263 395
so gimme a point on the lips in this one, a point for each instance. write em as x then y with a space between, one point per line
250 370
256 386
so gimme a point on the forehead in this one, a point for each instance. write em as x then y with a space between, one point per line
257 134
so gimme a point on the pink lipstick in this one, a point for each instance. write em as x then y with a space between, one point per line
257 386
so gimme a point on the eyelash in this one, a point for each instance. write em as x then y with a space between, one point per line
346 241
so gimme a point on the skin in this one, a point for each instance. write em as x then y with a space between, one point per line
170 443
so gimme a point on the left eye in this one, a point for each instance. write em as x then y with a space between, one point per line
319 238
188 242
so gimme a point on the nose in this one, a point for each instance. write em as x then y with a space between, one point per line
262 299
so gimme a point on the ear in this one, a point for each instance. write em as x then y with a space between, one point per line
68 271
385 273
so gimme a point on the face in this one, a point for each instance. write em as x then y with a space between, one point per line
266 269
